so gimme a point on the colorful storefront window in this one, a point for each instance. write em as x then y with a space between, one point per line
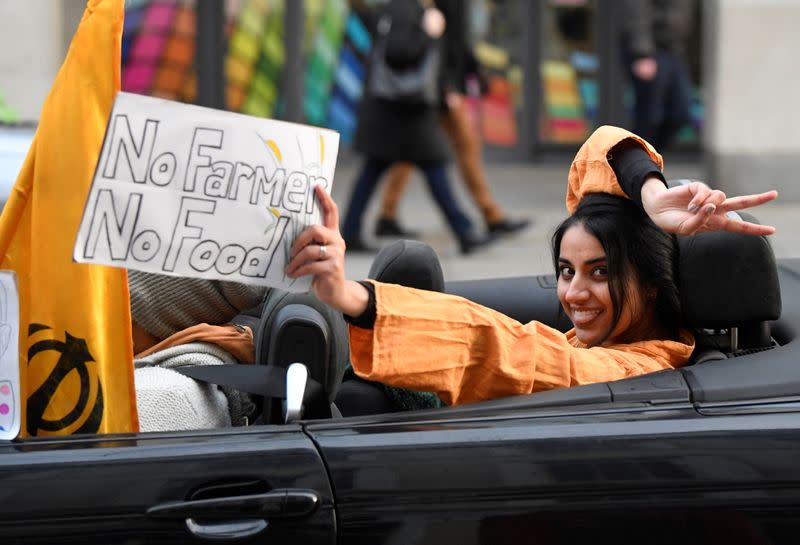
497 32
568 72
552 42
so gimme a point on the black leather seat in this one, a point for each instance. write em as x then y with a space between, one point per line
409 263
729 289
728 282
298 327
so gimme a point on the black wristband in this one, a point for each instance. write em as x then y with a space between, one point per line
365 320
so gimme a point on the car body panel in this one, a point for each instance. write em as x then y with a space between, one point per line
707 454
98 490
528 478
703 454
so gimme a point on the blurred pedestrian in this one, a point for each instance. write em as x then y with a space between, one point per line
654 43
392 130
461 67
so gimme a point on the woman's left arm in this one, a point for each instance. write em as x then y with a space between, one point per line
683 210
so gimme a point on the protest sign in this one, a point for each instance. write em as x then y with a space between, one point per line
10 403
190 191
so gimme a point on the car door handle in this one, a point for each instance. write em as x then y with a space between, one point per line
278 503
227 517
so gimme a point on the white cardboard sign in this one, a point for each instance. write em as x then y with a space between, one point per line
189 191
10 402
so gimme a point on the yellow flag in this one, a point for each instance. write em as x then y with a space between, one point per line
76 362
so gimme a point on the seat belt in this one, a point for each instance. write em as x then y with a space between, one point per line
267 381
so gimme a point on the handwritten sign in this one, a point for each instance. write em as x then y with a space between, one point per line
9 357
189 191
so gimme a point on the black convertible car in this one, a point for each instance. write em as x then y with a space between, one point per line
706 454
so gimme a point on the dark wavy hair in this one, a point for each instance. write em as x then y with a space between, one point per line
633 244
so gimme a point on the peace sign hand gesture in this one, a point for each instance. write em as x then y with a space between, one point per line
695 207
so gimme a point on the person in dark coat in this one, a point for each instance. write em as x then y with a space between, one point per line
455 119
654 41
389 131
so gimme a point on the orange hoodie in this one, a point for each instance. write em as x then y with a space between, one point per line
465 352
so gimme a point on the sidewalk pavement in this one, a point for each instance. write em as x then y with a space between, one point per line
525 190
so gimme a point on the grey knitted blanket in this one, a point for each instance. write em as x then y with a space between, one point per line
167 400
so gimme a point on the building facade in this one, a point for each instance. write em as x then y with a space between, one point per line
553 66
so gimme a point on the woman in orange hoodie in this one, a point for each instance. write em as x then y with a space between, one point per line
614 261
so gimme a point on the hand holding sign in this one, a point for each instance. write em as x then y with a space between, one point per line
189 191
319 251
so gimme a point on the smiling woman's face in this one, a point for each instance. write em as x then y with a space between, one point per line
584 293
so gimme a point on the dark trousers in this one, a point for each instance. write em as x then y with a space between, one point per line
438 183
662 105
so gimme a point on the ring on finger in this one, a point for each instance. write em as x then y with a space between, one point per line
323 252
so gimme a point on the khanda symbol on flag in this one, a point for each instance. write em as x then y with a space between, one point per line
76 355
72 355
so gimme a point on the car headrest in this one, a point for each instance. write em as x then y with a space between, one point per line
336 356
728 279
410 263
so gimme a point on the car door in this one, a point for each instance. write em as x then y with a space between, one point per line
262 484
584 470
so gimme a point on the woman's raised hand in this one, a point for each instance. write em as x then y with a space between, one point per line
319 251
695 207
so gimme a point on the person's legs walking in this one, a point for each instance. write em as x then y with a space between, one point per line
362 191
466 142
457 126
439 186
397 180
469 158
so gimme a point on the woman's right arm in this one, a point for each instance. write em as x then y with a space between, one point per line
465 352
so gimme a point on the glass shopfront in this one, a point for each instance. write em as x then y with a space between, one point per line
561 63
582 81
569 70
498 32
552 67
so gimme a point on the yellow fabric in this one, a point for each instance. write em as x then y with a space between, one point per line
465 352
590 171
74 319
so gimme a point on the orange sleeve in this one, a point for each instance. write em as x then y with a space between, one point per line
590 171
465 352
